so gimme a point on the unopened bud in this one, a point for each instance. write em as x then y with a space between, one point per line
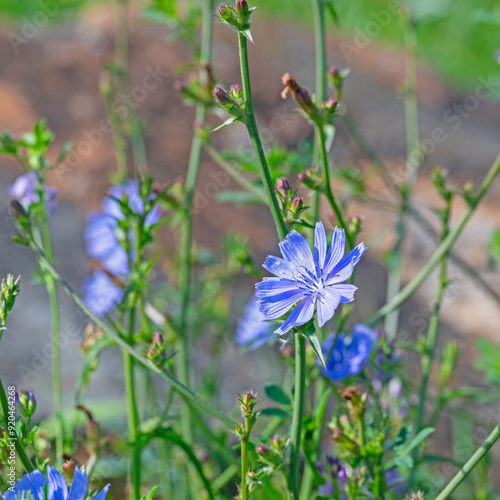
69 469
331 105
297 205
262 450
27 403
17 210
283 186
242 7
469 192
236 92
222 97
333 71
300 94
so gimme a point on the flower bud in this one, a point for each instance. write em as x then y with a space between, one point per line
300 94
242 7
27 403
283 186
17 210
69 469
236 92
223 98
262 450
247 404
297 205
469 192
333 72
9 290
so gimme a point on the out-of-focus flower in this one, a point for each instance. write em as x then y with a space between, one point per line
24 190
101 294
350 355
307 280
33 485
27 403
103 237
253 330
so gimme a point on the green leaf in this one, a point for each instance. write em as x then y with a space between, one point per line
275 412
276 393
419 438
404 461
151 494
239 197
247 35
229 121
333 12
316 345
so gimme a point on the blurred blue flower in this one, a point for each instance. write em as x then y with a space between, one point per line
350 355
129 192
253 330
24 190
304 279
100 294
32 486
103 235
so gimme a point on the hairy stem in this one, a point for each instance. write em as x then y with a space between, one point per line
298 415
256 142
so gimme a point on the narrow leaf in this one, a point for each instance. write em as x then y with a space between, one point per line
277 394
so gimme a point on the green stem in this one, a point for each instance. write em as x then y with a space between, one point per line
318 9
256 142
412 167
244 459
185 392
430 345
56 358
327 186
20 451
183 362
470 464
298 415
233 172
132 412
440 252
132 122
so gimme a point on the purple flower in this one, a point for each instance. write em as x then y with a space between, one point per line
253 330
348 357
304 279
100 294
24 190
33 485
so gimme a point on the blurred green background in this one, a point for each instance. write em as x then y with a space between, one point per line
458 39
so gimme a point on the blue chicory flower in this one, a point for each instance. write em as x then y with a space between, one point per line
101 294
32 486
24 190
306 279
350 355
102 233
253 330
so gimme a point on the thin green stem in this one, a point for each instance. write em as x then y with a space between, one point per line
318 9
328 187
56 357
298 415
412 167
183 362
244 459
470 464
185 392
256 142
20 451
132 412
235 175
430 344
441 251
132 122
